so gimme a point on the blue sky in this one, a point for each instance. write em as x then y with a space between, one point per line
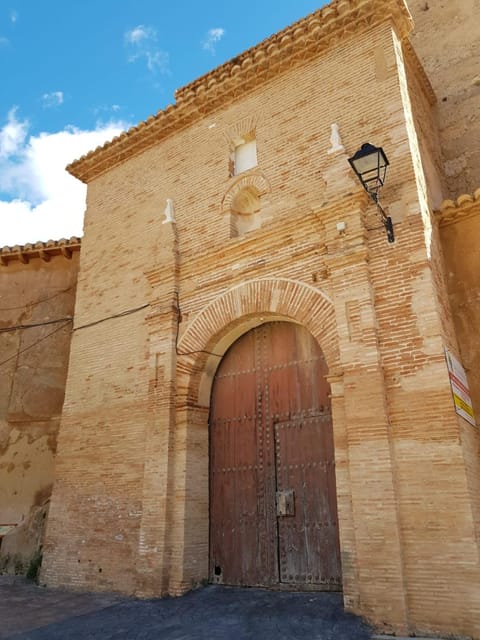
74 74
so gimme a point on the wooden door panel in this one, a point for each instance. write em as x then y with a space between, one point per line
270 430
234 505
236 500
308 537
295 370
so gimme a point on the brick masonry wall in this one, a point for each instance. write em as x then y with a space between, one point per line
130 506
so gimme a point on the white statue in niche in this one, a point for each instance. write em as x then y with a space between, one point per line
335 141
169 212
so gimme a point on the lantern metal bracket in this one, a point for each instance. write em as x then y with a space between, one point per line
370 166
386 219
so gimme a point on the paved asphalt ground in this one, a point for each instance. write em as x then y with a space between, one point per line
213 613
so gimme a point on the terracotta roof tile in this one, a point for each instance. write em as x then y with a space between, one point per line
452 211
41 250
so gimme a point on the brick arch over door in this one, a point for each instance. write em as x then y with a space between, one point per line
244 306
200 349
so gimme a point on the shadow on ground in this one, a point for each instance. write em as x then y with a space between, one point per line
214 612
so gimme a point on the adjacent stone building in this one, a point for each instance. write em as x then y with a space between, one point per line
37 299
258 390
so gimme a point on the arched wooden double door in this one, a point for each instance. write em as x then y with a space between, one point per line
273 511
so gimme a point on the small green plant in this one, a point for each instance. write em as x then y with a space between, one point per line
34 566
18 565
4 562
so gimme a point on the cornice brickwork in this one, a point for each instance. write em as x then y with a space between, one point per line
42 250
283 51
412 58
453 211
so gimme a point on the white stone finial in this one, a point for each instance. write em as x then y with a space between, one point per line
335 141
169 212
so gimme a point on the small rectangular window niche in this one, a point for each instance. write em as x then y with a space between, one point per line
245 156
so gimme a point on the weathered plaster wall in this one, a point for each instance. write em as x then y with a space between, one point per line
446 38
460 233
33 371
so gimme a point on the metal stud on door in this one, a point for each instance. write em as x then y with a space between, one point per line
272 473
307 533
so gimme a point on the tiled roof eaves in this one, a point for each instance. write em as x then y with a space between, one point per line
452 211
284 50
42 250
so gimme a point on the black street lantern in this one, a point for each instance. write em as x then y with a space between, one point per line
370 165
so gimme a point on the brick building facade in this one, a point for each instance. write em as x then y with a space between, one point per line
232 214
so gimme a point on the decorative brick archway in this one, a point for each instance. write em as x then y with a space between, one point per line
200 349
254 181
244 306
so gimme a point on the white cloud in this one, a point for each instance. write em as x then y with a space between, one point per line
142 43
13 16
52 99
103 111
39 200
157 60
139 33
4 41
12 134
213 36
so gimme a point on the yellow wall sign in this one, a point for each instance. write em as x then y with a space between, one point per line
460 390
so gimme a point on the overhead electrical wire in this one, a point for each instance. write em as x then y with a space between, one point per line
66 320
17 327
116 315
30 346
32 304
